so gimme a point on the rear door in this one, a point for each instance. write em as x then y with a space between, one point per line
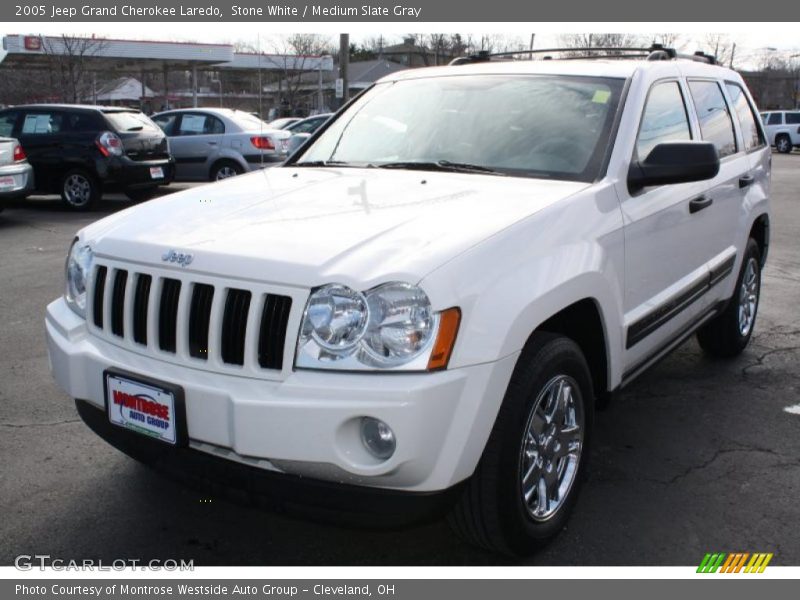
41 134
665 254
719 221
196 143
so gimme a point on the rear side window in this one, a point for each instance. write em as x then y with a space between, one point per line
793 118
716 124
7 121
80 122
751 133
42 123
775 119
664 118
196 124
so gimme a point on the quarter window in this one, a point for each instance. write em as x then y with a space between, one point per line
716 124
664 118
747 118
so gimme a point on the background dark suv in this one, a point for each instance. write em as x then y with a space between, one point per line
81 151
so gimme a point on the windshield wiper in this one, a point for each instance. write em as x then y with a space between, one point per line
324 163
439 165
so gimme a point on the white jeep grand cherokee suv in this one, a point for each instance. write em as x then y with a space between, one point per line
421 309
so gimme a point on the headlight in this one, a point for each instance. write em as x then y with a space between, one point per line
391 326
79 265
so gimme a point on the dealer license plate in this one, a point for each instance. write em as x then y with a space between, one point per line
7 182
156 172
142 407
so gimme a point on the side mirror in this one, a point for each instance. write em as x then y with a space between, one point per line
674 162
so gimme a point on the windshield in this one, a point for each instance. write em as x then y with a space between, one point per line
130 121
536 126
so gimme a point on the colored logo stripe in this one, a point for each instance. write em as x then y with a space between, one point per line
734 562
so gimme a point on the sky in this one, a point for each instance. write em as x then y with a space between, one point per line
752 41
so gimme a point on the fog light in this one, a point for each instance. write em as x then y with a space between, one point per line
377 437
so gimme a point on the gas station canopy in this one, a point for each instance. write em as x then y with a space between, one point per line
108 55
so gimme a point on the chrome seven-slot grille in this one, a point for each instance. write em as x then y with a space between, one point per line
213 325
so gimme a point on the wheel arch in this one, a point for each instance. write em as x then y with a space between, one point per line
227 158
759 231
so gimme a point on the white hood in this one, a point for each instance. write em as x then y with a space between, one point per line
309 226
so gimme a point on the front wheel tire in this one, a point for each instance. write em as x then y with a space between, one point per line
728 334
528 478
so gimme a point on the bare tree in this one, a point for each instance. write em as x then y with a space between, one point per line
580 42
294 52
668 40
721 46
69 59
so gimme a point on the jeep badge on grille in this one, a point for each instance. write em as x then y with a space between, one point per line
180 258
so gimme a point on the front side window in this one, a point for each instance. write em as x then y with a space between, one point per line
716 124
530 126
751 133
664 118
775 119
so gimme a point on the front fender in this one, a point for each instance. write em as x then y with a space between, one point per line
510 284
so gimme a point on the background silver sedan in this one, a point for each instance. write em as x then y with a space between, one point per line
16 174
216 143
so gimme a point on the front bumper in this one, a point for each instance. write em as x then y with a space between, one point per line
22 177
308 424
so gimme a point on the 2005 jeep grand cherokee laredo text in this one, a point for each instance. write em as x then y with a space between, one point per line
420 309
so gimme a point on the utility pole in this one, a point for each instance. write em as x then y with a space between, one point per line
530 56
733 53
344 62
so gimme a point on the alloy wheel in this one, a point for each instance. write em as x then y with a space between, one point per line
77 190
551 447
748 297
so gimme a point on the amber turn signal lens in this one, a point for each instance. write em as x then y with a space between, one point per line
449 321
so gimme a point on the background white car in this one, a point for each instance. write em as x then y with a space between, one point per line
217 143
783 129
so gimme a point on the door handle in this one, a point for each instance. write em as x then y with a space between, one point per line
699 204
212 143
746 181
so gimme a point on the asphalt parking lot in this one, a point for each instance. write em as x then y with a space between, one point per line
696 456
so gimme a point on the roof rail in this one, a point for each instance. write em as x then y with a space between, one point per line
653 52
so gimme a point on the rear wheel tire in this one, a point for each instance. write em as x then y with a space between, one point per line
783 144
529 476
225 169
728 334
79 190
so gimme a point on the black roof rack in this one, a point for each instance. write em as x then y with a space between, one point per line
653 52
